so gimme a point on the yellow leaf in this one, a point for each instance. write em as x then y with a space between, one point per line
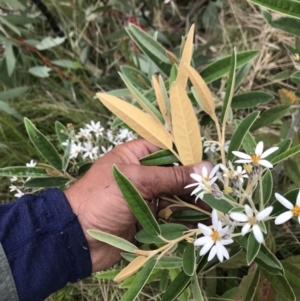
139 121
202 91
287 97
182 75
185 125
131 269
165 213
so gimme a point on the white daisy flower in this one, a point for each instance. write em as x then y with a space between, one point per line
13 179
240 174
210 147
90 150
32 163
83 133
293 210
96 128
13 188
214 239
75 150
252 220
258 157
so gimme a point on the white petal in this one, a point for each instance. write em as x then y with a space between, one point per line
205 230
223 167
214 219
214 171
226 241
213 180
269 152
239 217
243 161
212 253
223 231
283 217
196 190
265 163
204 172
299 219
259 148
264 213
202 241
206 247
196 177
191 185
225 252
246 229
248 210
298 199
220 248
258 234
286 203
242 155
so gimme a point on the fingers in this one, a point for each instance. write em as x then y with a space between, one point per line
153 181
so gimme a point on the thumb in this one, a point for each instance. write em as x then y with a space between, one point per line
152 181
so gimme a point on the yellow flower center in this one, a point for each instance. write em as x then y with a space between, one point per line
252 220
296 210
255 159
228 190
215 235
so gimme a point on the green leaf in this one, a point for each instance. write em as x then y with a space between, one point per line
196 290
168 231
66 157
287 7
217 204
10 58
269 116
253 248
10 26
50 42
221 67
281 285
188 259
140 281
248 285
13 93
46 182
240 76
66 64
113 240
107 275
286 24
295 77
162 157
176 287
23 172
226 107
9 110
283 146
136 77
267 186
287 154
173 75
248 143
188 215
240 133
136 203
61 132
151 48
43 145
292 272
163 281
250 99
40 71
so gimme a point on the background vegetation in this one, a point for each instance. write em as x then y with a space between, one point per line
89 60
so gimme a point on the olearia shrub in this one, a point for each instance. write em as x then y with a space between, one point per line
168 108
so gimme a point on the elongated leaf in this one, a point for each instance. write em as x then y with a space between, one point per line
161 101
250 99
107 275
176 287
43 145
9 110
23 172
281 285
188 215
61 132
248 285
291 272
142 100
253 248
229 89
131 268
50 42
13 93
66 157
287 7
40 71
141 279
155 275
144 125
222 66
13 28
136 203
295 77
168 231
47 182
162 157
67 64
267 186
186 57
286 24
248 143
196 290
240 133
217 204
189 259
283 146
269 116
173 75
10 58
185 126
287 154
151 48
163 281
203 92
113 240
240 75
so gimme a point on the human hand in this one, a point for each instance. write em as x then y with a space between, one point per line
99 204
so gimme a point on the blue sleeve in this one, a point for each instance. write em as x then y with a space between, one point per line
44 244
